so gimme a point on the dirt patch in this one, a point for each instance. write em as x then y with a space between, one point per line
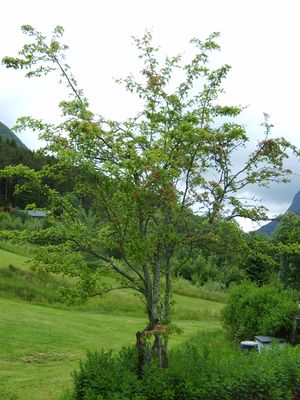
40 358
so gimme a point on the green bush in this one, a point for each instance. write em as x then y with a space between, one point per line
107 376
252 310
207 368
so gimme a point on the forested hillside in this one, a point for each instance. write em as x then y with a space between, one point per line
7 135
13 152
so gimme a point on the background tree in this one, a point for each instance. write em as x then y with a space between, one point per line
286 237
144 177
13 154
214 255
260 259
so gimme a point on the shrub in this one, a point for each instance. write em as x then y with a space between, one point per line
251 310
207 368
106 376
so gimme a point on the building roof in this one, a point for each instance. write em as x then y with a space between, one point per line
37 213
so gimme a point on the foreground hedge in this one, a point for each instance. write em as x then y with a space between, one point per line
208 369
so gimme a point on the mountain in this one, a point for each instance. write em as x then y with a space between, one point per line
7 134
294 207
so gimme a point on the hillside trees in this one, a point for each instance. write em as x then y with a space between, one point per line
260 261
217 255
13 154
144 177
286 238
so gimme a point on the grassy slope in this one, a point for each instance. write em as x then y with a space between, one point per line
7 258
40 345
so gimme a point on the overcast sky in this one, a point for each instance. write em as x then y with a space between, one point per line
259 39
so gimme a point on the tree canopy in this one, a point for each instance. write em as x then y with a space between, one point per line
143 178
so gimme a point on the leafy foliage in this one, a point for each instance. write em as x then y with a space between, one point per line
260 258
215 256
287 238
105 374
251 310
208 369
142 178
12 155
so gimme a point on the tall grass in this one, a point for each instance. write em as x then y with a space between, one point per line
30 286
26 250
186 288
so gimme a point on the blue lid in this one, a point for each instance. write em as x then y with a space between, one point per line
269 339
264 339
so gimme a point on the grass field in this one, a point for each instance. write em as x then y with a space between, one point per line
40 345
7 258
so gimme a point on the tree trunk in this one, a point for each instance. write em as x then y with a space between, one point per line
142 354
165 359
158 315
6 189
146 352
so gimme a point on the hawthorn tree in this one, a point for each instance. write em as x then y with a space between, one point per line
142 178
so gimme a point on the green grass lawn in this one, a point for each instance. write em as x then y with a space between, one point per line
40 346
42 340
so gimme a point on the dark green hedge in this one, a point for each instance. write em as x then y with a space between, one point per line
208 368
